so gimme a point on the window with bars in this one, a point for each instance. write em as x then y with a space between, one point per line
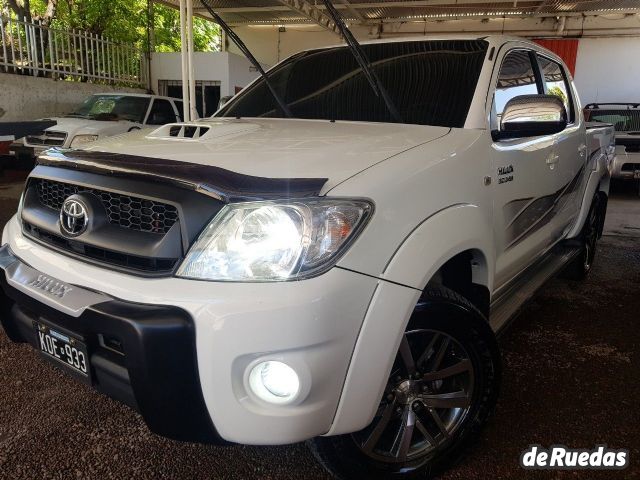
207 94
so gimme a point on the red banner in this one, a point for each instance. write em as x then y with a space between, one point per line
567 50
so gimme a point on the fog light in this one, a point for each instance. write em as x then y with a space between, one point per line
274 382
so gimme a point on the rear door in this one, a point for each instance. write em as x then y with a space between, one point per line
525 180
570 149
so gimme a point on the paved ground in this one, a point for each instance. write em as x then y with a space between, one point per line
571 377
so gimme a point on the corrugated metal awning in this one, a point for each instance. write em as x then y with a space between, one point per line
239 12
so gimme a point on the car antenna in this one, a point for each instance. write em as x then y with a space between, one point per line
362 60
247 53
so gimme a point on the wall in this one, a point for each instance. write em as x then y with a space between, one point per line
227 68
269 45
29 98
607 69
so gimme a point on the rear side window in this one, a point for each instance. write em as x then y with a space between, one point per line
517 77
624 120
161 113
556 83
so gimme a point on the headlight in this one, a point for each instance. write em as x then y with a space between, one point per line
79 140
267 241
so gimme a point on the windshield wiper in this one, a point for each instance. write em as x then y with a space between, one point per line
247 53
363 61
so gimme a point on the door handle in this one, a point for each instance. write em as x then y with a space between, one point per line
552 160
582 149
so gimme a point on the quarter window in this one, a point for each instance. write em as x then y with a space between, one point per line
555 83
517 77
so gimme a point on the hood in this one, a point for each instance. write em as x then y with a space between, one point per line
74 126
278 148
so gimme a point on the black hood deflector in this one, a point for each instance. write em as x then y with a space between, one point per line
216 182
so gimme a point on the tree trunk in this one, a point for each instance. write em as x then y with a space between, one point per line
22 10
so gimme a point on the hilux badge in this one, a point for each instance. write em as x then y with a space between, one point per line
73 217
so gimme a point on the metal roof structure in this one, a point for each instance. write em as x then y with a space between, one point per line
283 12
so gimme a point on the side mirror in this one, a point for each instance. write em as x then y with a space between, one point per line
224 100
531 116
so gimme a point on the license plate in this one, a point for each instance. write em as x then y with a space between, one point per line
63 349
636 174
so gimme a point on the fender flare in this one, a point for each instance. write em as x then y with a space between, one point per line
440 237
598 181
432 243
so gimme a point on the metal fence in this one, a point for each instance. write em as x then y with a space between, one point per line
33 49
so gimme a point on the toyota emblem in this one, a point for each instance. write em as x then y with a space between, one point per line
73 217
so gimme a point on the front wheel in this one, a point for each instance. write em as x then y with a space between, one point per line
442 388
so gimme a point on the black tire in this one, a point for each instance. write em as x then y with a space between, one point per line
446 333
587 241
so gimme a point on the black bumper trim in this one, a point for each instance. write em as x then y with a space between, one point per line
158 373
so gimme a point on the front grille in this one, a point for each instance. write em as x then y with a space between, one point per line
49 139
130 262
127 211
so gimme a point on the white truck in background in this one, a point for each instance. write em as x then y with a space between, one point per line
101 116
317 262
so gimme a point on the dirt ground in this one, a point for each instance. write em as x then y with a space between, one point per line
571 363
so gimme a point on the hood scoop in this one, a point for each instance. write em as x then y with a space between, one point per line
203 131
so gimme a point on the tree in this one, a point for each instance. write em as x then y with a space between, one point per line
119 20
206 34
45 10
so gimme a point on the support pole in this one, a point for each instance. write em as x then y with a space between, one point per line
193 113
185 67
151 43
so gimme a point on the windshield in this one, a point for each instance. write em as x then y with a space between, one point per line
622 120
113 107
430 82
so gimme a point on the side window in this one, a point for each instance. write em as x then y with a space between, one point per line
516 77
180 108
556 83
161 113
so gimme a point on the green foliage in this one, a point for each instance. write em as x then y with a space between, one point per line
206 34
126 21
557 91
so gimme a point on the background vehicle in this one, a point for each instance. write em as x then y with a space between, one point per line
625 117
100 116
324 271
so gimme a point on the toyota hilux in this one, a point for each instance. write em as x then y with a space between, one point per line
327 259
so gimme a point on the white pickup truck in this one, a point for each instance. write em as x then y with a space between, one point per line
100 116
338 276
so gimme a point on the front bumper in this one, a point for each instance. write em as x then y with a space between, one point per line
312 325
624 165
156 370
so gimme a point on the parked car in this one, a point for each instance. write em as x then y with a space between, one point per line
9 131
100 116
625 117
336 276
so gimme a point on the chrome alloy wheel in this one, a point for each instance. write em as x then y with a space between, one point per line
427 398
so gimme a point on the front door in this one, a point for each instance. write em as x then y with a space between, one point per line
525 186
